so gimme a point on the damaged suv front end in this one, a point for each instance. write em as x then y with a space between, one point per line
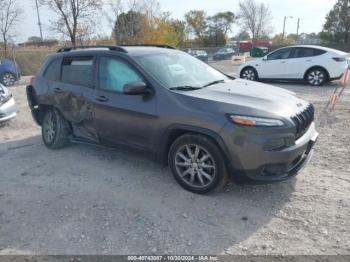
7 104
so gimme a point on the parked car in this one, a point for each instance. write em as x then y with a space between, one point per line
313 64
224 53
7 104
181 111
200 54
9 72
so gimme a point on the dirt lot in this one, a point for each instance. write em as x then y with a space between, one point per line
87 200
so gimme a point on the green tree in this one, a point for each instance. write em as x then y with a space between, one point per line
130 27
337 26
242 35
223 21
197 22
219 26
179 28
213 38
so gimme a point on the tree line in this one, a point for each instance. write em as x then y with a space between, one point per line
143 22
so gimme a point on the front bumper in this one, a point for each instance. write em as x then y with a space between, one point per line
251 161
8 110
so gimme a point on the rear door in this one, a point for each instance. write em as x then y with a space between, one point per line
277 65
122 119
302 59
74 91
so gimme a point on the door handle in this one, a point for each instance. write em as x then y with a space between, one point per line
309 60
283 62
102 99
57 90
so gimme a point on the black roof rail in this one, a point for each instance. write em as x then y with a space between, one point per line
110 47
150 45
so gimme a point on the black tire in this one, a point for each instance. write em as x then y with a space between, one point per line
209 162
249 73
55 130
7 79
316 77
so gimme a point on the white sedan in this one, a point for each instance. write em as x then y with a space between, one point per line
314 64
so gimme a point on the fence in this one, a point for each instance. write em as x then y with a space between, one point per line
30 59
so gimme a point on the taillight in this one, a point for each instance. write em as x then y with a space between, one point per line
31 80
339 59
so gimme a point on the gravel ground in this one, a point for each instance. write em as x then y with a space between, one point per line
87 200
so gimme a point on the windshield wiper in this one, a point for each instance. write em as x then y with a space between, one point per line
185 88
214 83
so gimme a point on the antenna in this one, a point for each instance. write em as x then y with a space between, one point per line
39 22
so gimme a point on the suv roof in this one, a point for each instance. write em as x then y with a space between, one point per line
131 49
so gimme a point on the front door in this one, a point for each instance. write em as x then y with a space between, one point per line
277 65
120 118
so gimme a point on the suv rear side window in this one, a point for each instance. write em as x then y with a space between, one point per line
301 52
114 74
52 72
78 70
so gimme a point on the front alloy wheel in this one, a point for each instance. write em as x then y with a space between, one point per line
316 77
249 74
197 163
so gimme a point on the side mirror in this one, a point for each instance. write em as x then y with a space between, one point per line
136 88
265 58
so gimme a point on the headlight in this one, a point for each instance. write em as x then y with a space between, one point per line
255 121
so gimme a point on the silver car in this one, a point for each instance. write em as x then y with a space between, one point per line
7 104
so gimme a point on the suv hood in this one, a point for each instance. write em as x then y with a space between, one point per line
253 95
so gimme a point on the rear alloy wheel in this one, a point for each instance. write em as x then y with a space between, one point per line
197 164
316 77
55 130
249 73
8 79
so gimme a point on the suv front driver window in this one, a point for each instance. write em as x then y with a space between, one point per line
114 74
280 54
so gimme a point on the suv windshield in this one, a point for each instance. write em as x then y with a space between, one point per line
178 69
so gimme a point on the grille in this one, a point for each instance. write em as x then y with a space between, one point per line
303 120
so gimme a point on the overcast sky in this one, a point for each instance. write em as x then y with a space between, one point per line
311 12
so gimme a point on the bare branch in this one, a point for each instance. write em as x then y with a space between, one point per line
75 18
9 16
255 17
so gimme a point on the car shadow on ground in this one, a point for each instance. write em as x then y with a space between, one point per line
89 200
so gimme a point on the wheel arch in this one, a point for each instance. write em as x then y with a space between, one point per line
316 67
175 131
37 108
246 67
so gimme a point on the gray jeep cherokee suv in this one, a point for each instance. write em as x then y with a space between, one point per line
155 99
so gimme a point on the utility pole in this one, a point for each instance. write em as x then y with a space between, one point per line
284 25
298 27
39 22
